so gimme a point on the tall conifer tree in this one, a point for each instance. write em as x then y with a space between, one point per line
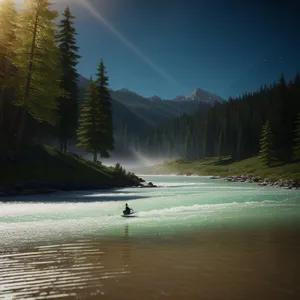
90 130
220 146
296 140
108 141
68 105
266 145
8 15
36 59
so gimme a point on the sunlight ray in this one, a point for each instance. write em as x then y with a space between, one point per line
89 7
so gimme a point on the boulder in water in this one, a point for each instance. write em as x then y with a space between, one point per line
149 185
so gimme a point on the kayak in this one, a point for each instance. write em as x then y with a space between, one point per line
129 215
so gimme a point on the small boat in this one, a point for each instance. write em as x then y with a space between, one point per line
131 215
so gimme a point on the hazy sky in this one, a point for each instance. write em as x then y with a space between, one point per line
170 47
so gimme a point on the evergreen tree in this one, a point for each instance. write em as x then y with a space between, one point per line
220 146
36 59
8 15
240 120
104 98
204 141
187 144
68 105
90 130
266 145
239 151
296 140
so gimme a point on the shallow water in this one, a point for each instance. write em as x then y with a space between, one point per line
193 238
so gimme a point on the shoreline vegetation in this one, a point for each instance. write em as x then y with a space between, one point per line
40 104
35 169
250 170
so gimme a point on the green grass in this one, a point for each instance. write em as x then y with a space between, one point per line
44 163
210 166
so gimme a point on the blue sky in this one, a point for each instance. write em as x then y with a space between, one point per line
170 47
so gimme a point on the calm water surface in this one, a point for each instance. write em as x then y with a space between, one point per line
193 238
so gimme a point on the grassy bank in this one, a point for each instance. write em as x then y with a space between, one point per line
29 167
211 166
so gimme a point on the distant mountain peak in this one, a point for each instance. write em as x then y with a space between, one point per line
155 98
203 96
198 95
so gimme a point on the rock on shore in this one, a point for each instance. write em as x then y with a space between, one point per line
286 184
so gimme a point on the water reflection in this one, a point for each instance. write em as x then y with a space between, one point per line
126 247
210 265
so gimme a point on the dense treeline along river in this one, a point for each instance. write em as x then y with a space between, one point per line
193 238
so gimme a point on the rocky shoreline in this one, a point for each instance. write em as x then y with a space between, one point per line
250 178
37 187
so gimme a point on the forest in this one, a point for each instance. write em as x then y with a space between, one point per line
265 122
39 91
39 101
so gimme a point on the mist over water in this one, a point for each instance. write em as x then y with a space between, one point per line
135 161
192 235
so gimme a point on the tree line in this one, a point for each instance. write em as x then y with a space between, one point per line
39 89
265 122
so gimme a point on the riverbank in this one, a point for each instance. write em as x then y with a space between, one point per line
34 169
248 170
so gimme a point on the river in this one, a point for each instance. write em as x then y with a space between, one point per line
193 238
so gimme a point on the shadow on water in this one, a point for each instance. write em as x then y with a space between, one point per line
76 197
126 246
99 198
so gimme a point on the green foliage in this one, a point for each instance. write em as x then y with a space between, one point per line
68 105
208 167
296 139
119 168
104 98
8 16
266 145
239 146
36 59
91 126
239 120
220 146
37 163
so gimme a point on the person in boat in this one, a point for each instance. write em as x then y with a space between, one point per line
127 210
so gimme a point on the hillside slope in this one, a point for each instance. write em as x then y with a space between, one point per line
35 169
155 111
211 166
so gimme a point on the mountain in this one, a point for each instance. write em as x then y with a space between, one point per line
200 95
131 107
134 115
82 81
153 110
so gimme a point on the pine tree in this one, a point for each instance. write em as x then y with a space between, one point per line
68 106
204 141
266 145
108 142
36 59
239 148
187 143
90 130
220 142
296 140
8 15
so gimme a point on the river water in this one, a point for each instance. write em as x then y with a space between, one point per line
193 238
